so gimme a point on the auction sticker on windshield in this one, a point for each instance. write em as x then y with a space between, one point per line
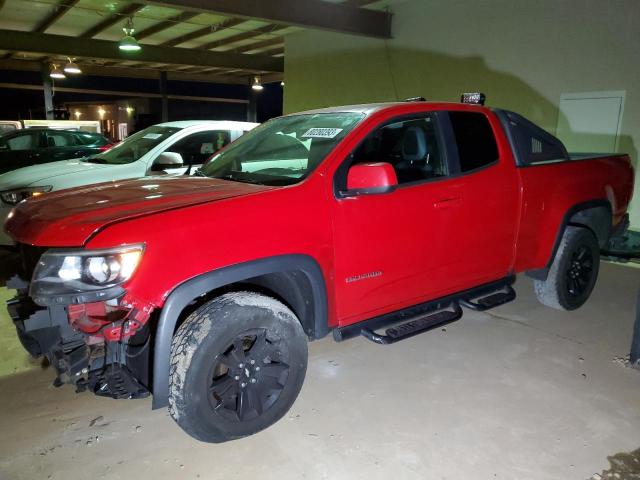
321 133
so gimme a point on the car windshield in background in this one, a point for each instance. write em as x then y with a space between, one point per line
134 147
282 151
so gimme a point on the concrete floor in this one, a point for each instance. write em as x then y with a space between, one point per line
523 392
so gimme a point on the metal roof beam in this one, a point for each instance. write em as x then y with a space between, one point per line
48 44
316 14
213 76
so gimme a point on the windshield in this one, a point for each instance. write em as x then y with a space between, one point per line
282 151
134 147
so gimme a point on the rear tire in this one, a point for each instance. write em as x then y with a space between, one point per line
237 366
573 273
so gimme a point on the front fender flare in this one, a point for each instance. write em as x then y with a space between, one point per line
188 291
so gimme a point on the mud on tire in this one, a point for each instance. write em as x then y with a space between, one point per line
573 273
237 366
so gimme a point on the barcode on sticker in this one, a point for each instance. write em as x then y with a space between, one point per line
321 132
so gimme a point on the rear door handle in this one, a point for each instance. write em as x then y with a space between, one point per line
447 202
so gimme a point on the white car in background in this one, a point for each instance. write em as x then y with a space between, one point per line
166 148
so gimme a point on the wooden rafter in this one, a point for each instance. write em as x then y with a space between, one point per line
60 45
317 14
268 29
112 20
168 23
201 32
57 13
265 44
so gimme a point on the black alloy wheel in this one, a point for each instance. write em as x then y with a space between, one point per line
237 365
580 271
573 273
248 378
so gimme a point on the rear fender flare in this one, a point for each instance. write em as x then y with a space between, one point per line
596 215
190 290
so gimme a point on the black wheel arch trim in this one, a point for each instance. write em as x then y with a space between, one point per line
578 215
191 289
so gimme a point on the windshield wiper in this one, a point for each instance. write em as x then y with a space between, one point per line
232 178
198 173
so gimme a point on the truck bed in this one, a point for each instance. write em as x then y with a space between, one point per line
592 156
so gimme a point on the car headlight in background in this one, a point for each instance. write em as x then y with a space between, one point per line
80 272
13 197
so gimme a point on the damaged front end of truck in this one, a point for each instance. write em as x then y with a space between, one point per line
71 309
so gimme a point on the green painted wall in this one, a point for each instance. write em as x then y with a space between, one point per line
523 54
13 357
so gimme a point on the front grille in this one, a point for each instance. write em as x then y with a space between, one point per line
29 257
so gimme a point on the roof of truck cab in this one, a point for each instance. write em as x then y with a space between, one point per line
223 124
369 108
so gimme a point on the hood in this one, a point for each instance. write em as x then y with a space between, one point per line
37 175
69 217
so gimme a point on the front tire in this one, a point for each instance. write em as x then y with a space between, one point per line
573 273
237 366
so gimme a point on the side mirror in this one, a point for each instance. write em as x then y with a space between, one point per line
167 160
366 178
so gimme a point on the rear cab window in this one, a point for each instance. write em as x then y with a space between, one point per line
530 143
474 140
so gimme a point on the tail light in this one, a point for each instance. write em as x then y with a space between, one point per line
106 147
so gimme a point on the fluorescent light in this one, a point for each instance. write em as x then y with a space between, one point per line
128 42
55 72
72 68
256 84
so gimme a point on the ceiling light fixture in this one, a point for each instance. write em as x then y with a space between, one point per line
72 67
256 84
128 42
55 72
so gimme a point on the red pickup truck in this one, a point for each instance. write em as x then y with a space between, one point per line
380 220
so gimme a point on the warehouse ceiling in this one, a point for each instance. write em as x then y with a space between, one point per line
223 41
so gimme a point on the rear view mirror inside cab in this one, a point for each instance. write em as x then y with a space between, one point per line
367 178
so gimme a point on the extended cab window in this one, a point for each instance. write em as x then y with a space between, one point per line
475 140
411 146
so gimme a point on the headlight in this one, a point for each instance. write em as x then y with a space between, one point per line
13 197
82 276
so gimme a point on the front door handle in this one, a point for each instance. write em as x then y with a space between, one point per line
447 202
